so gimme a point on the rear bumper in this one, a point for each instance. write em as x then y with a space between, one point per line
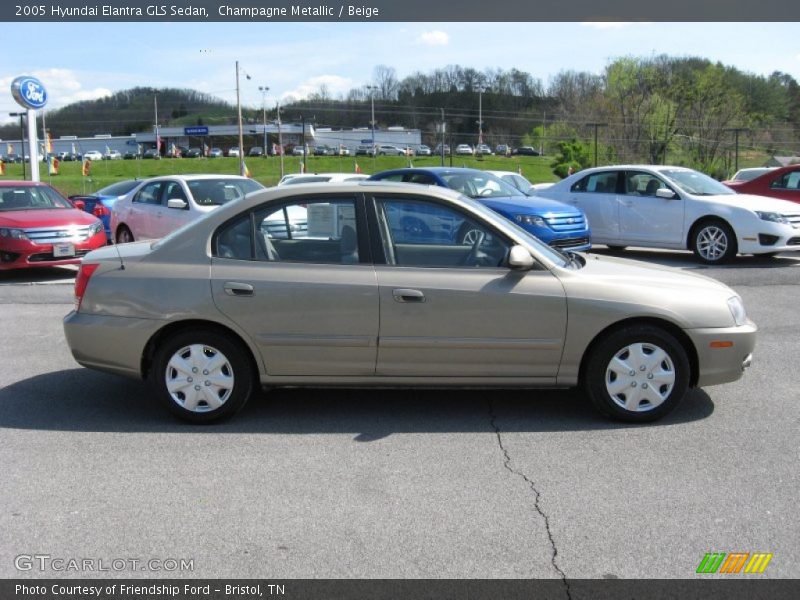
728 357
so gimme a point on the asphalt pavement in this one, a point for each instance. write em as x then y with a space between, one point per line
397 483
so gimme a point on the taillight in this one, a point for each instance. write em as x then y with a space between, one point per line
82 280
100 211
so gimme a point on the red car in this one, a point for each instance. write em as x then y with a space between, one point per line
783 183
41 228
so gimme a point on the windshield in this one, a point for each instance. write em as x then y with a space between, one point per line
479 184
215 192
118 189
695 183
31 198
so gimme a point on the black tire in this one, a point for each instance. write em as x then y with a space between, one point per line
616 248
717 230
598 374
124 235
237 366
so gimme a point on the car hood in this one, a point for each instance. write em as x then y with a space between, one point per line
752 202
528 205
37 217
687 299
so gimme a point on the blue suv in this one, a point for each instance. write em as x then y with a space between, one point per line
559 225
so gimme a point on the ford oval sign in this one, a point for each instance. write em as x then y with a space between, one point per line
29 92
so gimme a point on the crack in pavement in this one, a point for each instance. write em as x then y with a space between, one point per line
537 498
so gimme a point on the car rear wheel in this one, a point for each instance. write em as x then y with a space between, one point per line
202 376
714 242
124 235
637 374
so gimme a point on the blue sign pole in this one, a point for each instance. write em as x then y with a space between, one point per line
30 94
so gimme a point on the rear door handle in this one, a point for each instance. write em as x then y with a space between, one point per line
234 288
407 295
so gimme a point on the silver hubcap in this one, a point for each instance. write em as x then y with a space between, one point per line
471 237
125 236
712 243
199 378
640 377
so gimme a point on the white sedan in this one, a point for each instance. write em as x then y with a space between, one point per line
163 204
675 207
93 155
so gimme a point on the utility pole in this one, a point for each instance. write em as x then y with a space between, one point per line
155 118
372 89
541 141
596 127
264 89
441 147
280 136
241 134
481 89
736 131
305 149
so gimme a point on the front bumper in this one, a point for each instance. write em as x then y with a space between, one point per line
24 254
723 353
770 237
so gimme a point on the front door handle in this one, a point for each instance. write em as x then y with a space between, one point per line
407 295
234 288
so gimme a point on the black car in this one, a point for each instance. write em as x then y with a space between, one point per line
130 155
526 151
324 151
193 153
151 153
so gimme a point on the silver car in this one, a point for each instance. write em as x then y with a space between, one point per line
227 303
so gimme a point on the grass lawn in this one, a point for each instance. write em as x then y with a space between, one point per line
265 170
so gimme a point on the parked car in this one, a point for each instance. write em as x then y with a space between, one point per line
298 151
321 178
438 150
559 225
130 155
464 149
675 207
526 151
101 203
151 153
483 150
41 228
783 183
220 308
162 204
233 151
502 150
112 155
422 150
365 150
256 151
193 153
215 153
323 150
344 150
93 155
743 175
389 150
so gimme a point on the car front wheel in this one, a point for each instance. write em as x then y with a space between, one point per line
637 374
124 235
714 242
202 376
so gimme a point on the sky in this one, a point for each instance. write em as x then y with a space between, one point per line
80 61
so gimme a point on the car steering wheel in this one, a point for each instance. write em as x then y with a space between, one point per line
473 251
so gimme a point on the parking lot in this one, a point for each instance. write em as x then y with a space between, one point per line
398 483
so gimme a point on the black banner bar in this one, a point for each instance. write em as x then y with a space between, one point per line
733 588
263 11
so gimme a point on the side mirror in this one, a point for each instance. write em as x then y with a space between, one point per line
666 193
520 259
177 203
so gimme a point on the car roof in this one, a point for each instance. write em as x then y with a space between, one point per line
13 183
194 177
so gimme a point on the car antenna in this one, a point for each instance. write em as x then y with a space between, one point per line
121 264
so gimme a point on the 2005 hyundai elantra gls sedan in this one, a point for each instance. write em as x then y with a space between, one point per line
358 298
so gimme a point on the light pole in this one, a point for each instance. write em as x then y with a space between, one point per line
280 136
372 89
241 133
21 116
481 89
264 89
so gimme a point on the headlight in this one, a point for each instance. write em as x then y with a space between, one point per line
16 234
97 227
773 217
736 307
531 220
